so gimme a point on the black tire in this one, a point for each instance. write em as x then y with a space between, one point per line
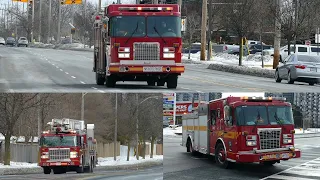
221 157
100 79
91 166
151 83
188 146
311 83
172 82
277 77
289 80
110 81
161 83
57 170
46 170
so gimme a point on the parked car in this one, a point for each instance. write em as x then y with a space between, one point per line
2 41
11 41
23 41
299 67
300 49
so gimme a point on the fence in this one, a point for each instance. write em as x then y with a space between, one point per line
29 152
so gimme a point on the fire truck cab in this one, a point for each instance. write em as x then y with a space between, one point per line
242 130
138 42
68 146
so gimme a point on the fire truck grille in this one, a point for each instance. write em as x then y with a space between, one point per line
59 154
269 139
146 51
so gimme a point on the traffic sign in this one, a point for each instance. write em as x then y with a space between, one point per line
24 1
73 30
183 24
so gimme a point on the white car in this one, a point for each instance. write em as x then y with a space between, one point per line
23 41
2 41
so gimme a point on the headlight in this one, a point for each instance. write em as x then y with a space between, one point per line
123 55
73 154
45 155
168 55
287 138
251 140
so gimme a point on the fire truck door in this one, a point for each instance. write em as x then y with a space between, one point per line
214 128
229 129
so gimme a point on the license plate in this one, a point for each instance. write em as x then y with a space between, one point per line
152 69
269 156
313 69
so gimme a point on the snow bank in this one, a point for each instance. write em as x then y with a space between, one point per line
19 165
172 132
309 130
122 160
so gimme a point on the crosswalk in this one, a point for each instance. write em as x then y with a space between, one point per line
305 168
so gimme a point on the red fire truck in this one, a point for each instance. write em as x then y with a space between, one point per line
242 130
68 146
138 42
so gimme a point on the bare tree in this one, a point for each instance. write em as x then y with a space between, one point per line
193 25
12 106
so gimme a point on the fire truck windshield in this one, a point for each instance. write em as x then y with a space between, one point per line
54 141
263 115
126 26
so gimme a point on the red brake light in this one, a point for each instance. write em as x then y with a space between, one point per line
300 66
97 17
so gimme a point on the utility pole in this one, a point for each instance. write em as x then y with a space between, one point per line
49 22
39 118
39 36
203 30
277 36
32 24
295 24
72 18
99 7
209 53
180 4
317 40
115 130
59 22
137 127
85 23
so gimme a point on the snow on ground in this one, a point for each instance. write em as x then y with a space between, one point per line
309 130
19 165
253 60
171 132
122 160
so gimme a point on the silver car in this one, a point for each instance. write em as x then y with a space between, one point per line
301 68
23 41
2 41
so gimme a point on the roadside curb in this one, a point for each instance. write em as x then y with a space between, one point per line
306 135
62 48
38 170
266 73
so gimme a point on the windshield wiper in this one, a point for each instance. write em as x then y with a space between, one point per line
155 29
133 33
257 121
278 120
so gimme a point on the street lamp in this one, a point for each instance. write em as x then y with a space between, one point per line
137 125
82 105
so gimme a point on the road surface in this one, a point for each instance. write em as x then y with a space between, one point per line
50 70
180 165
154 173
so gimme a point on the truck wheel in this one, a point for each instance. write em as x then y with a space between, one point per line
110 81
57 170
172 82
221 157
91 166
100 79
46 170
151 83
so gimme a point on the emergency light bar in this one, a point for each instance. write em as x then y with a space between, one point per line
263 98
145 8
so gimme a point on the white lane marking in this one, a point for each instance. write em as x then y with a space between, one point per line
61 70
288 170
94 88
57 67
52 64
66 72
82 82
73 77
101 91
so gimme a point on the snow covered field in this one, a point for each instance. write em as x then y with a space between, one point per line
172 132
122 160
309 130
230 59
19 165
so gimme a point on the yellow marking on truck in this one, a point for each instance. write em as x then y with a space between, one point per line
195 128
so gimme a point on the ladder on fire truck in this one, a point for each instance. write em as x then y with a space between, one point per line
67 125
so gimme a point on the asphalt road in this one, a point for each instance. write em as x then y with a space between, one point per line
180 165
154 173
50 70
